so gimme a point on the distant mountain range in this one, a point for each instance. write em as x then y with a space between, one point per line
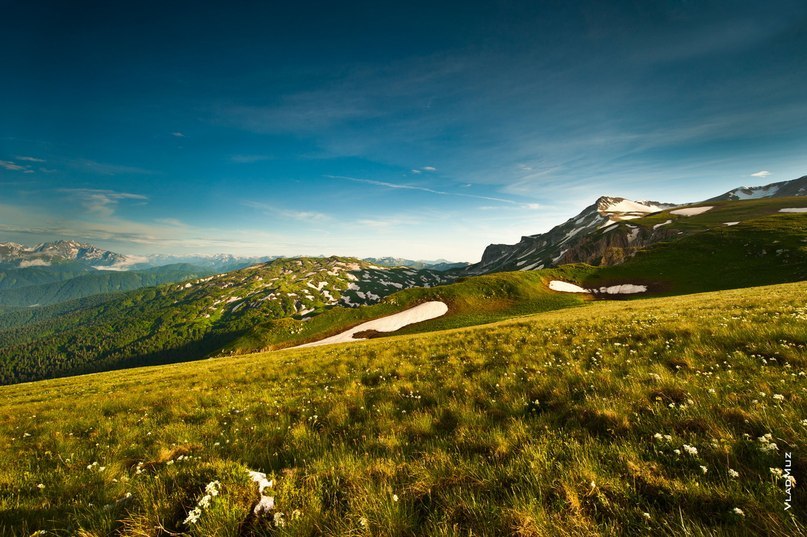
13 255
440 264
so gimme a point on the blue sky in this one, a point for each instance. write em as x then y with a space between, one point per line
380 128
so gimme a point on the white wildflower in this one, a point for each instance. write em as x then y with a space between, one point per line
690 450
778 397
737 511
279 520
394 497
41 486
266 504
704 469
734 474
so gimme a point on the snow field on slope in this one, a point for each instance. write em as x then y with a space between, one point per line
391 323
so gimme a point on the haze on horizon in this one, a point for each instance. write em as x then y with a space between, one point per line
408 130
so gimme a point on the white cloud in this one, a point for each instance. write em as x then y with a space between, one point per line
34 263
10 166
399 186
762 173
100 202
103 168
291 214
429 169
416 172
30 159
177 134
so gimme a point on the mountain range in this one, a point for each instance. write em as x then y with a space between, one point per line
602 234
659 247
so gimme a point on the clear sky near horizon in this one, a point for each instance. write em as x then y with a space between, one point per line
412 129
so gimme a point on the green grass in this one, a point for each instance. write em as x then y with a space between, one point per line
543 425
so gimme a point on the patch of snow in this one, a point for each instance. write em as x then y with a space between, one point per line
566 287
691 211
555 260
755 192
534 266
623 289
628 206
730 223
662 224
391 323
633 234
793 210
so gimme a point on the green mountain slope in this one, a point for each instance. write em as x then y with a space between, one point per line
98 282
14 278
667 416
189 320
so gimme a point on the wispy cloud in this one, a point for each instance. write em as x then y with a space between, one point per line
177 134
8 165
399 186
100 202
291 214
30 159
103 168
761 173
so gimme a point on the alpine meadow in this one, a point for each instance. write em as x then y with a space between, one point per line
362 269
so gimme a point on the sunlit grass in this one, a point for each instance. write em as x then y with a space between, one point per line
642 417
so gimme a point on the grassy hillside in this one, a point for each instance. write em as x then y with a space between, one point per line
758 251
189 320
666 416
476 300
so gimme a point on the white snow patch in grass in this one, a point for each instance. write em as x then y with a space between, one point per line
793 210
624 289
566 287
691 211
755 192
730 223
391 323
662 224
